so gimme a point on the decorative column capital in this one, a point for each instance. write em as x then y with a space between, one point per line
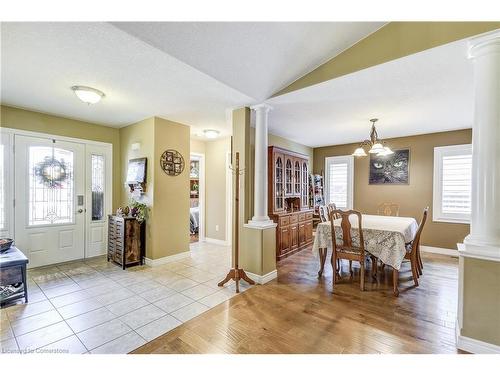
261 107
484 44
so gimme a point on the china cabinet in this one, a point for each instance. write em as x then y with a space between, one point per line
289 200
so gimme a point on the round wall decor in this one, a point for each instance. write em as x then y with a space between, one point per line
172 162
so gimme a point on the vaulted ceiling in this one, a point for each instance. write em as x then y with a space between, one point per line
187 72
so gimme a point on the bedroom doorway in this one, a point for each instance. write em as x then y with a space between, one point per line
196 197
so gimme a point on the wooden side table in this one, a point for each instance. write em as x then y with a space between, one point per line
12 271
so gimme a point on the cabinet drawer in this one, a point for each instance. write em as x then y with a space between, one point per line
309 215
11 275
294 218
302 217
284 220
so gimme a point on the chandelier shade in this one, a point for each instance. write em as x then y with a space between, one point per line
376 145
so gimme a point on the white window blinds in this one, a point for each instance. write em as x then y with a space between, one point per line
339 181
456 188
452 183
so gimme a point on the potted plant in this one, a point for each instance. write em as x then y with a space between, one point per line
138 210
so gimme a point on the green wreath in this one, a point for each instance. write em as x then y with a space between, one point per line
51 172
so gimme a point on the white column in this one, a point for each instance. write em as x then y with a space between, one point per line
484 237
260 218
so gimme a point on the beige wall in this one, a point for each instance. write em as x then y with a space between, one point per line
215 187
168 197
197 146
170 220
413 197
275 140
22 119
142 132
481 300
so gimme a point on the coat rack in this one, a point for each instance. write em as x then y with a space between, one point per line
237 273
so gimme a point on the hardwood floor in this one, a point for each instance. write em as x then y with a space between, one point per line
298 313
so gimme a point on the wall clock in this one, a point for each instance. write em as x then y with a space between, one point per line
172 162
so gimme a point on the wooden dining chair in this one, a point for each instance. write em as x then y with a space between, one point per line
331 207
323 213
348 249
388 209
413 250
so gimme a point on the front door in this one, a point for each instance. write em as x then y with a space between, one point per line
49 199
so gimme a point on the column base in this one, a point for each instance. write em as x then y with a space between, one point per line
260 224
474 250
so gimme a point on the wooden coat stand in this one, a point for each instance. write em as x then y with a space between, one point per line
237 273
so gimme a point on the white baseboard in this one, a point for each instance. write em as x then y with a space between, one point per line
216 242
167 259
439 250
262 279
472 345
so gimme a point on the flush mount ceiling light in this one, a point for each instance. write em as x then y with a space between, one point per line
87 94
376 144
211 133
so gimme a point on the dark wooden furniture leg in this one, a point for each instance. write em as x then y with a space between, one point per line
395 280
25 284
322 259
374 266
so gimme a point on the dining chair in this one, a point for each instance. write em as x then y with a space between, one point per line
413 250
352 249
323 213
331 207
388 209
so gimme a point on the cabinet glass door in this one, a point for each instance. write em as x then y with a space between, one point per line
296 177
288 176
278 180
305 185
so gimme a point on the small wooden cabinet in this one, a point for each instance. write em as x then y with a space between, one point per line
126 241
289 200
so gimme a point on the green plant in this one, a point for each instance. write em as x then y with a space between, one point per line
138 210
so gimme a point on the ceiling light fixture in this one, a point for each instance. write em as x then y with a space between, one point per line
88 95
211 133
376 144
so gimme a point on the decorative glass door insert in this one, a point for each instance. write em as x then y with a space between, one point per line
278 164
51 186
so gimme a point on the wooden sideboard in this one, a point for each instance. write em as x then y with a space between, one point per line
126 241
288 197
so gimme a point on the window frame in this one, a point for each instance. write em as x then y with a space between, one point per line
349 160
439 154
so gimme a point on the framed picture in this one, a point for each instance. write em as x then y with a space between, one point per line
391 169
136 171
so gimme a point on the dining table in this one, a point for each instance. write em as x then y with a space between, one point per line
385 237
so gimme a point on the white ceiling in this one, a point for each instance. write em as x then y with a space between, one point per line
428 92
41 61
255 58
187 72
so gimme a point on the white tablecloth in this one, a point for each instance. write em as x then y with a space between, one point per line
385 236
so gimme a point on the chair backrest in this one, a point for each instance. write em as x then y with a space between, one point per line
416 240
347 243
331 207
388 209
323 213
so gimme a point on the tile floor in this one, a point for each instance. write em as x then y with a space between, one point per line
92 306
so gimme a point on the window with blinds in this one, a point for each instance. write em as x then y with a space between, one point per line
452 183
339 181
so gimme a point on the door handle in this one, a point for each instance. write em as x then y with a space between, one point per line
80 210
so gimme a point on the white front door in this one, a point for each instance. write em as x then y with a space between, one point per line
49 199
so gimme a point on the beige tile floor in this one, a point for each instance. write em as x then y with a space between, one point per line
92 306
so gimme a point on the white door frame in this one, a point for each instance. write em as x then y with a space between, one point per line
201 194
9 133
7 140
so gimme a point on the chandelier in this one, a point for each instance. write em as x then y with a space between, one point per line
375 144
